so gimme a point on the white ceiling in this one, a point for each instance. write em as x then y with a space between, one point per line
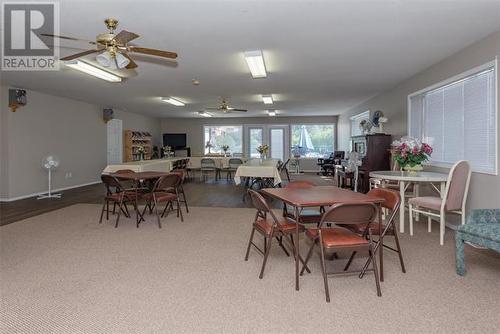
322 56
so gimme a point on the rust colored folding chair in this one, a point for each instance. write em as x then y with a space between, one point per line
392 202
166 189
116 193
334 239
182 195
267 224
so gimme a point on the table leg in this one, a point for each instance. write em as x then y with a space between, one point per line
402 207
417 194
297 215
380 244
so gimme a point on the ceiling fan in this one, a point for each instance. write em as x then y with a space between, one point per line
113 48
225 108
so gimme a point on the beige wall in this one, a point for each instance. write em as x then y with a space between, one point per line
72 130
485 189
194 127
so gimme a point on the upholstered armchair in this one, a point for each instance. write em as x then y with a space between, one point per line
482 229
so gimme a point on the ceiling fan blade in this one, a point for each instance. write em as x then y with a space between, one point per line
132 64
212 108
153 52
69 38
239 110
78 55
124 37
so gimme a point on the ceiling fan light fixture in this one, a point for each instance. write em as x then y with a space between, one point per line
118 61
271 112
173 101
255 62
92 70
204 114
267 99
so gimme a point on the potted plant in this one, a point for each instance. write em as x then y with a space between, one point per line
263 150
410 153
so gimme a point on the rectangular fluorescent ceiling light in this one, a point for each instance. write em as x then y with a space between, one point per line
173 101
271 112
267 99
255 62
204 114
94 71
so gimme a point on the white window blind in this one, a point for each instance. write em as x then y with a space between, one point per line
458 119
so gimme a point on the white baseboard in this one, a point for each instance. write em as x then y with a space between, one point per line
44 192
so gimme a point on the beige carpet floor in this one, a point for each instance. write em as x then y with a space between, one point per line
62 272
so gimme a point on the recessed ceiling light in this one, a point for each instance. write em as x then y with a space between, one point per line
267 99
204 114
93 70
271 112
255 62
173 101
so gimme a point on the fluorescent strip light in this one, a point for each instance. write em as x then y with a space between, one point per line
255 62
271 112
204 114
173 101
94 71
267 99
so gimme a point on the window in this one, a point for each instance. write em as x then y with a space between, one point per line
313 140
255 141
355 120
224 135
458 119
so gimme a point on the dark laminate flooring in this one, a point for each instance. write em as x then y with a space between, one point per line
221 193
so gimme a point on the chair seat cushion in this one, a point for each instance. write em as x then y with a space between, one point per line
428 202
337 237
285 226
127 196
360 228
161 196
489 231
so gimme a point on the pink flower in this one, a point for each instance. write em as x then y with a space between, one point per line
415 150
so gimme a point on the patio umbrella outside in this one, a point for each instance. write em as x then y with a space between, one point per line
305 143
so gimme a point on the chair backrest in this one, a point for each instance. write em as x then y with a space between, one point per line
235 162
457 186
392 199
349 213
238 155
338 155
260 203
167 182
285 165
111 182
299 185
207 163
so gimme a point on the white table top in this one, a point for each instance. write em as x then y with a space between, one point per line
264 168
262 162
410 176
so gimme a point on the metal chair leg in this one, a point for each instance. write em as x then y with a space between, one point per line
249 243
348 264
309 253
157 215
400 254
119 214
292 243
373 256
323 269
102 211
266 255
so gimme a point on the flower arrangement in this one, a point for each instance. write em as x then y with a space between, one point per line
410 152
167 150
141 151
208 145
263 149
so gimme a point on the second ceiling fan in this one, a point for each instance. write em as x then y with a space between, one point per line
226 108
114 48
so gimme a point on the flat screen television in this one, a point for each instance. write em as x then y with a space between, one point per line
175 140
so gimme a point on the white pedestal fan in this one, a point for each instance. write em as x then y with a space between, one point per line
50 163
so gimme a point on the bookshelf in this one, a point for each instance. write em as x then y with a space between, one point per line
133 139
